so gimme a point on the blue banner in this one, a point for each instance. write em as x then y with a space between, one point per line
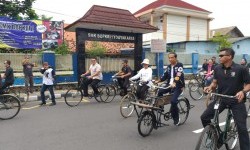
20 34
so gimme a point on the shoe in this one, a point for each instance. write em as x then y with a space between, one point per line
42 104
177 122
52 104
85 95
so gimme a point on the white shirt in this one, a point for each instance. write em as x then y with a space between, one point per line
172 75
48 77
145 75
95 68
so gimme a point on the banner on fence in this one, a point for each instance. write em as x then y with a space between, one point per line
53 36
20 34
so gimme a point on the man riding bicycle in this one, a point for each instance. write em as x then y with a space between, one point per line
8 76
234 80
93 77
124 75
174 76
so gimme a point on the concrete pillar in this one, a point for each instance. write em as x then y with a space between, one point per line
159 64
75 66
195 62
49 56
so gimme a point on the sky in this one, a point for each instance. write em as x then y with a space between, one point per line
226 13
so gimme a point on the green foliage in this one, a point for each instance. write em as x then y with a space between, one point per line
18 9
222 40
170 50
96 50
44 17
62 49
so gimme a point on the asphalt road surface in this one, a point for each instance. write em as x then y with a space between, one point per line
93 126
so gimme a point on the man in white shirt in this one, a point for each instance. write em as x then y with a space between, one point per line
94 76
48 82
145 75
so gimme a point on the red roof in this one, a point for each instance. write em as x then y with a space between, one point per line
102 15
173 3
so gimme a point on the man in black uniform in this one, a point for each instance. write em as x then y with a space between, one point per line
174 76
124 76
8 76
231 79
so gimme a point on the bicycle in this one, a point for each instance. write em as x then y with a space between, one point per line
9 106
213 137
248 111
74 96
126 107
112 89
196 86
152 117
21 93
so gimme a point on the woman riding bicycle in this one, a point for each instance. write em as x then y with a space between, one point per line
209 71
145 75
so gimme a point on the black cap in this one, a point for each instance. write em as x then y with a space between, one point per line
125 61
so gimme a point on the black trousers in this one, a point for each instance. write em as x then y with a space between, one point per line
174 100
123 83
93 83
141 91
4 86
239 115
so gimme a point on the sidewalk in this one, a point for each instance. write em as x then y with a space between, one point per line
58 94
36 96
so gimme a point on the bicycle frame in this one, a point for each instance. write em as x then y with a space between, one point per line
222 133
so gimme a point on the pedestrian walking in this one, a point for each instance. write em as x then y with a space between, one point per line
28 74
48 82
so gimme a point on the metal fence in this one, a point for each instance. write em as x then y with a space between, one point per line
63 62
110 64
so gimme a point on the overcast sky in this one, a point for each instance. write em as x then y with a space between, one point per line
225 12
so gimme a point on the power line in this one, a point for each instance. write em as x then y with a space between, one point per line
55 12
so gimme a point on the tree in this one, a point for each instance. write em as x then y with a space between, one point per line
44 17
222 40
18 9
96 50
62 49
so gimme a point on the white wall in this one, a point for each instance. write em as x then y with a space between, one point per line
176 28
198 29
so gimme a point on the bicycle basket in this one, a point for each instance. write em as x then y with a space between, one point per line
164 100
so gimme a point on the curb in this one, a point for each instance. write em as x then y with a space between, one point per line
47 96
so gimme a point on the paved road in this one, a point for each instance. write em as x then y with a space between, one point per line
92 126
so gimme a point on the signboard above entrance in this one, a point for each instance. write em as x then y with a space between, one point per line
158 46
97 35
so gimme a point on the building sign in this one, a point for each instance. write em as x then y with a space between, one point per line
158 46
19 34
97 35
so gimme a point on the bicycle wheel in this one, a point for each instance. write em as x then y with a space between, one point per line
146 123
184 107
9 106
126 108
208 139
193 84
102 96
232 136
248 118
22 94
108 94
73 97
196 95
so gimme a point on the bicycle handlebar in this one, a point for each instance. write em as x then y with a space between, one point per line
222 95
159 87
